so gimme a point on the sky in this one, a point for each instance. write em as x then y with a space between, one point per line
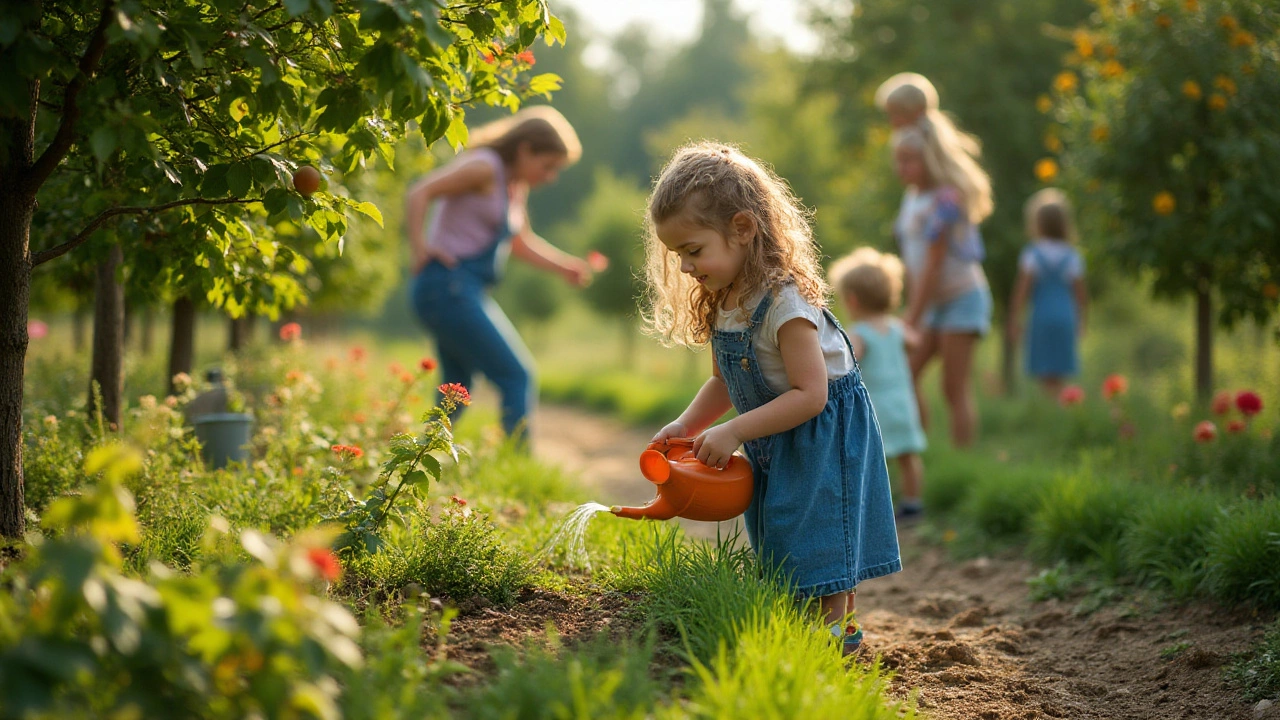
676 21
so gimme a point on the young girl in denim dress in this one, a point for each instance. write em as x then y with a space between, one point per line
731 261
1051 276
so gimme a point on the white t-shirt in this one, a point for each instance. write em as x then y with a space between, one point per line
1053 252
788 305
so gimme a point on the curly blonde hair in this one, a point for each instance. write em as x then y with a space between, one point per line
873 278
951 159
708 183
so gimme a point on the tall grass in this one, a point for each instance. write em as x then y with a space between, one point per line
1243 560
1082 516
1165 544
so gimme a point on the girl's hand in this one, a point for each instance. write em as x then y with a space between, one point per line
424 254
715 446
675 429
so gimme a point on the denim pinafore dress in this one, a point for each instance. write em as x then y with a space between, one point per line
821 509
1051 332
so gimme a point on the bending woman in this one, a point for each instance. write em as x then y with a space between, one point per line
480 217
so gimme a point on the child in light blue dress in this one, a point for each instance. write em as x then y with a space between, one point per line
1051 273
870 286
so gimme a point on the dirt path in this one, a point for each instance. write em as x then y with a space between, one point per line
967 635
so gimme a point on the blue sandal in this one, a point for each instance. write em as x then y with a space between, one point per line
852 640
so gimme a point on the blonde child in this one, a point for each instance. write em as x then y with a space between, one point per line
907 98
870 285
731 261
1051 272
947 195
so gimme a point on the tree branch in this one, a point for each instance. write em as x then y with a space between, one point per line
65 136
45 256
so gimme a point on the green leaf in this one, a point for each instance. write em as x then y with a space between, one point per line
432 465
296 7
457 134
240 179
555 31
276 200
370 211
414 478
545 83
103 142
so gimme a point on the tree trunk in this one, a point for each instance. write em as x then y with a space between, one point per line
147 332
239 332
17 204
108 339
1204 339
182 348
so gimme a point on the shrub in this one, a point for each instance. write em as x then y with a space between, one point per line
1243 560
1081 516
1164 546
50 462
1002 503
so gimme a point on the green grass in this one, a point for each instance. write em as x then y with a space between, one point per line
1165 545
1243 560
1082 516
1256 673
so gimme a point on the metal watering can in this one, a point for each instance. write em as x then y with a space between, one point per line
689 489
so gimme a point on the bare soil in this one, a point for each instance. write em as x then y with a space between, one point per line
963 637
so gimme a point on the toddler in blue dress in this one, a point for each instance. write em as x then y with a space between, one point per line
870 285
1051 273
731 261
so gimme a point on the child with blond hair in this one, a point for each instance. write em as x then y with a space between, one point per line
1051 273
731 261
870 285
948 194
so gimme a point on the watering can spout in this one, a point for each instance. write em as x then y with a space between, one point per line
657 509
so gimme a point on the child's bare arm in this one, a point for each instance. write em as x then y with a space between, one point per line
911 337
859 346
807 374
711 402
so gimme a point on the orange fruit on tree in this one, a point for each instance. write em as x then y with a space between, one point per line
306 180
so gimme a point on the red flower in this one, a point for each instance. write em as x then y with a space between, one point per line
358 417
396 368
325 563
488 57
406 377
290 331
351 451
597 261
1205 431
339 449
457 501
427 364
1221 404
1071 395
526 57
1114 385
357 354
455 393
1236 426
1249 403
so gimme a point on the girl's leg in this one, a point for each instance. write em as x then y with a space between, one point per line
957 359
1052 385
920 358
912 467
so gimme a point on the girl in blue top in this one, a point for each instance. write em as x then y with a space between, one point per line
870 286
1051 272
731 261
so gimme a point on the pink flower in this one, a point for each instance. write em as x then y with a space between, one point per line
1071 395
37 329
290 331
1114 385
325 563
1236 426
1249 403
1205 431
1221 403
455 393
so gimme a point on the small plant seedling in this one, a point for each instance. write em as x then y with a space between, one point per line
1170 652
306 180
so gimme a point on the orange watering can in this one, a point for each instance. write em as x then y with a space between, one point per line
689 489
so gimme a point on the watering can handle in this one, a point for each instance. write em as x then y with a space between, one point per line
665 445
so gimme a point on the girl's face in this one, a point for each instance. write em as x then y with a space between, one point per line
900 118
536 169
909 163
706 255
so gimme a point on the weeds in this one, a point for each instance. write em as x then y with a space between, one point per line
1257 672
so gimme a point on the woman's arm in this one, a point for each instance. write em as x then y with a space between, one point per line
1021 289
807 375
1082 303
922 287
470 175
533 249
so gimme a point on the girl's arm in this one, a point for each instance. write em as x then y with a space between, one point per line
923 286
531 248
711 402
1082 303
1021 288
472 175
911 338
807 374
859 346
